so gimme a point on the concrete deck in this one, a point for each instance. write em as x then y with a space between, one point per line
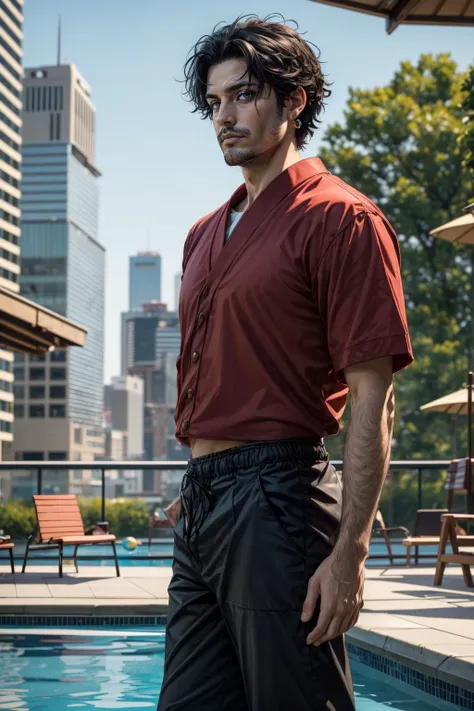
405 617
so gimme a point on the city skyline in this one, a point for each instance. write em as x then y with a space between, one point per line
59 395
161 166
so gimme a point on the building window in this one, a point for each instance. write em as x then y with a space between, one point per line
7 64
58 127
37 373
6 426
51 127
19 392
37 392
57 410
36 410
148 480
57 392
31 456
58 356
57 456
78 435
77 475
19 373
58 373
6 386
55 104
6 406
19 410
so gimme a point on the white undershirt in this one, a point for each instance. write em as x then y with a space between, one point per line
234 217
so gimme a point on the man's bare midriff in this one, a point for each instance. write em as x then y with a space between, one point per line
203 447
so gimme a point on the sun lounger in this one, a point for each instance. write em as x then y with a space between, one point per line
60 524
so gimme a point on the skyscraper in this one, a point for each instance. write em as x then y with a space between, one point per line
11 36
145 279
124 399
63 267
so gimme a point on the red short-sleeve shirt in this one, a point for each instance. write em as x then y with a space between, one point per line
308 284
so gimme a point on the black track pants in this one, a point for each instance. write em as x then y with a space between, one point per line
256 522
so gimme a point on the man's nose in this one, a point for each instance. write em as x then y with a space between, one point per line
225 115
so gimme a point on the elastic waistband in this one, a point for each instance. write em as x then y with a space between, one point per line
258 453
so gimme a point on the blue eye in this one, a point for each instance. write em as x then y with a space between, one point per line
245 95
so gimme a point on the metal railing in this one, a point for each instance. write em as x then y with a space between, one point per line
418 467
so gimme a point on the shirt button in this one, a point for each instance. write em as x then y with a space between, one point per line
201 318
195 357
185 426
190 394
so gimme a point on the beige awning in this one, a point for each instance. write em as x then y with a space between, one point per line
460 230
29 328
412 12
454 403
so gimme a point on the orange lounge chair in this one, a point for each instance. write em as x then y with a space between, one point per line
60 524
9 546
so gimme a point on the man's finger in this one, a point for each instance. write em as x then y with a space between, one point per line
312 595
353 620
334 630
325 616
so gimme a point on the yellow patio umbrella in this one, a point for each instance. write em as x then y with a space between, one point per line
460 230
454 403
459 403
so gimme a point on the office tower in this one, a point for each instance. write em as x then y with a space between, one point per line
168 341
177 290
145 279
11 36
150 346
124 400
63 265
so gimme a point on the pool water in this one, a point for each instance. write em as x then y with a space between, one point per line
142 555
122 669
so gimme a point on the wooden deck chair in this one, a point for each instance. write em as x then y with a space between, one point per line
8 546
428 532
380 529
60 524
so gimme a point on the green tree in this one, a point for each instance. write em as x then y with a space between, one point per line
399 145
467 136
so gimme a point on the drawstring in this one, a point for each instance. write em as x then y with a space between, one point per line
196 500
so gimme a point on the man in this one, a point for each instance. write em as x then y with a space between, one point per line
291 296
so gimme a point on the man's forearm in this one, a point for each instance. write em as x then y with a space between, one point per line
366 461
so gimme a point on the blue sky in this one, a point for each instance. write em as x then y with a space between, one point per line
162 168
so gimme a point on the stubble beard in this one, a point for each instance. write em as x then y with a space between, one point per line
239 156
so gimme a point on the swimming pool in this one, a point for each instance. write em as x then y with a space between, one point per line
148 557
64 669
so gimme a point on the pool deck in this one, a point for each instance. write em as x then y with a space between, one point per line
405 617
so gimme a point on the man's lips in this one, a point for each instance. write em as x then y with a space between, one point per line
233 137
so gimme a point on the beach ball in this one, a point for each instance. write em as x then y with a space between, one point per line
129 543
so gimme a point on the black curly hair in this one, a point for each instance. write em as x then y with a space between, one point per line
276 56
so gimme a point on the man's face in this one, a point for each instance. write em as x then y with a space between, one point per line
246 129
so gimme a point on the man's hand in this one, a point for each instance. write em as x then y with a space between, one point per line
341 600
173 511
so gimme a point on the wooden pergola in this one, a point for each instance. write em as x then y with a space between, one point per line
412 12
27 327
